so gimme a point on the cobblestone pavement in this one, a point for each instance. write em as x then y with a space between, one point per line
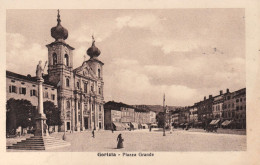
143 140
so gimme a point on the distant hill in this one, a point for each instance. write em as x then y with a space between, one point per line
159 108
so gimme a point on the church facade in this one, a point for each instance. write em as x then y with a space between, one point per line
79 90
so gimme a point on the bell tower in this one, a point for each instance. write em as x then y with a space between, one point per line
95 64
60 72
60 54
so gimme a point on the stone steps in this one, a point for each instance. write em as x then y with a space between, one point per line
39 143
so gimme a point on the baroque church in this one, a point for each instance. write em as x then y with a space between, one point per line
79 90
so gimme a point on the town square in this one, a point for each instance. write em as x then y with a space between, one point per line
125 86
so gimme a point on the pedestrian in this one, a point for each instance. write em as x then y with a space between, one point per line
112 130
93 133
120 141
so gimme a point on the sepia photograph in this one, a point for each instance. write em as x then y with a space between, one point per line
126 81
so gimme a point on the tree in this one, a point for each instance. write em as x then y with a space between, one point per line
160 119
19 113
53 113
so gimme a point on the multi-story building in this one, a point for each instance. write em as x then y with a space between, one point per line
193 114
229 109
205 110
240 114
79 92
26 87
130 115
217 108
175 116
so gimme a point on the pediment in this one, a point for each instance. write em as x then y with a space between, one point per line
86 71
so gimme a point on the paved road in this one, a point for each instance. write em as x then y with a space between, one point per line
144 140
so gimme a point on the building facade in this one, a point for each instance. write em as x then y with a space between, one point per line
217 108
79 91
126 115
26 87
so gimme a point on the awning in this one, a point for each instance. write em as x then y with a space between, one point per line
226 122
212 122
154 125
217 121
125 125
118 126
135 125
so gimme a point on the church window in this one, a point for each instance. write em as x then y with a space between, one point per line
99 91
77 85
68 104
66 60
99 74
85 87
67 82
92 88
54 58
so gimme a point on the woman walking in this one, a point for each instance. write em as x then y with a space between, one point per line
120 141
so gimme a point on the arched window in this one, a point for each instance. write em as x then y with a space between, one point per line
54 56
66 57
99 73
68 104
85 87
77 85
67 82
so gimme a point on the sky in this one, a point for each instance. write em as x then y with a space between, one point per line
185 53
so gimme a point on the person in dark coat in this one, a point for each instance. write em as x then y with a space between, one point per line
120 141
93 133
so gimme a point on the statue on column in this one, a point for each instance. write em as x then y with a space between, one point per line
40 70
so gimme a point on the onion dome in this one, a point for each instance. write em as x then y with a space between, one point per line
59 32
93 51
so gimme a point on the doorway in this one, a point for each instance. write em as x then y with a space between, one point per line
68 125
86 122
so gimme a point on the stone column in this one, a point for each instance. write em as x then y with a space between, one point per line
82 116
77 115
41 125
97 109
103 116
72 116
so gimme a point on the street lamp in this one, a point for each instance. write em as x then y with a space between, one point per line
164 115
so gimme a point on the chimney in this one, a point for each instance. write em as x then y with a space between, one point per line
210 96
221 92
227 90
204 97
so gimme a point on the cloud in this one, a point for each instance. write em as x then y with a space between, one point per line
84 32
170 45
137 21
22 57
128 81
